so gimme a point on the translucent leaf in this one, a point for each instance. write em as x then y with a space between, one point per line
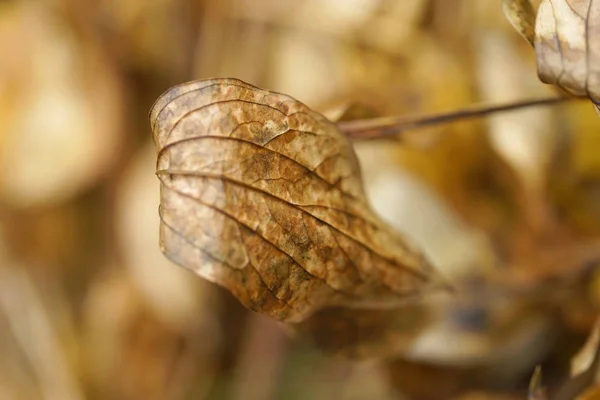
264 196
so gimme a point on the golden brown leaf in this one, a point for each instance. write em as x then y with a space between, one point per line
567 46
263 196
521 15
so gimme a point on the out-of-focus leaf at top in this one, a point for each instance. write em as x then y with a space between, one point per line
264 197
61 108
567 46
521 15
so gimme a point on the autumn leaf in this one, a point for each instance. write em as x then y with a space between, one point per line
567 46
264 197
521 15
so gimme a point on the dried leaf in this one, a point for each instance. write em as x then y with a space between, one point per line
521 15
264 197
567 46
585 357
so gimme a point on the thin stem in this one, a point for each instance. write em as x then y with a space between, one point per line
384 127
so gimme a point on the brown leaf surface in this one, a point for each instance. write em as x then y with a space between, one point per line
264 196
567 46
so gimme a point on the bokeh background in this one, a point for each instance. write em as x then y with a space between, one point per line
89 307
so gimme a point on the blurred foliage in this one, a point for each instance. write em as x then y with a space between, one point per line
89 308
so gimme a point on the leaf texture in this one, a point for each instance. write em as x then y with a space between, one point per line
264 197
567 46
